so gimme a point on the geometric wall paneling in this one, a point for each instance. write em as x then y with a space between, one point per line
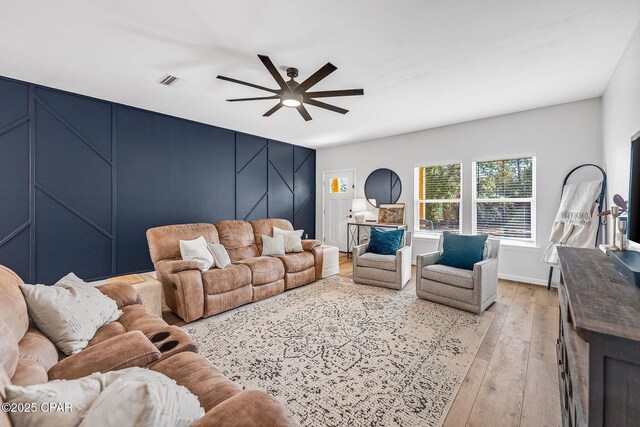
304 189
82 179
68 166
14 102
168 171
90 118
66 242
14 179
251 177
15 253
280 180
247 147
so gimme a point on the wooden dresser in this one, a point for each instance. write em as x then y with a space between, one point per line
598 346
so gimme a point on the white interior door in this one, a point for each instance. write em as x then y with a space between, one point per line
338 190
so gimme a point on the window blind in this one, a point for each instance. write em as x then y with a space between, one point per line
439 198
504 201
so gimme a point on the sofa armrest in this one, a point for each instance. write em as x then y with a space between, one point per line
427 259
485 274
248 408
119 352
403 267
359 250
184 294
170 266
309 244
122 293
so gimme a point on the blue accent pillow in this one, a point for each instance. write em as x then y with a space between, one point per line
461 251
385 242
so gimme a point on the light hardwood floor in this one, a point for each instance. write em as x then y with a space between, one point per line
513 379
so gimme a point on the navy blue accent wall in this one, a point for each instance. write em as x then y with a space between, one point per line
81 180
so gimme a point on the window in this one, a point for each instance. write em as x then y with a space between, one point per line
504 198
338 185
439 198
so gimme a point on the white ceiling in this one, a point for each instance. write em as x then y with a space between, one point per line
422 63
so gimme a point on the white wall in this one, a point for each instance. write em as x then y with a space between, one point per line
621 118
561 137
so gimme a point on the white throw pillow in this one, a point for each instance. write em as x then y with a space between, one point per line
220 255
272 246
72 400
128 397
69 312
142 398
292 239
198 251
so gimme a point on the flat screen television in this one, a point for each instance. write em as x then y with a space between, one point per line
634 191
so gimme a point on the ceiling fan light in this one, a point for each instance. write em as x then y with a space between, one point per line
291 103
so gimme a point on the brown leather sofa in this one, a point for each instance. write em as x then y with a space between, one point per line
193 294
28 357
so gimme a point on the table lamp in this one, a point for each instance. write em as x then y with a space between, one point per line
358 209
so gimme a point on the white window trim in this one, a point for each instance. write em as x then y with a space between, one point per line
416 199
532 199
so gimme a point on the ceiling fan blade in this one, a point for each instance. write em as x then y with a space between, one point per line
325 106
303 112
274 72
323 72
254 99
240 82
273 110
330 93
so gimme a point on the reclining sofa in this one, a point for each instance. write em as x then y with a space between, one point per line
138 338
192 294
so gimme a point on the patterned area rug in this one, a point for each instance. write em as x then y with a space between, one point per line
342 354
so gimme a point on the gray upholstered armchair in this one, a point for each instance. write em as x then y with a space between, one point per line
389 271
470 290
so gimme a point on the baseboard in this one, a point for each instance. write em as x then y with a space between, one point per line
524 279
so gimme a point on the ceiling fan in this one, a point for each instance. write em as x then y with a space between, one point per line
293 94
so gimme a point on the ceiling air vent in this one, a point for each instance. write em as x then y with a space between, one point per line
167 80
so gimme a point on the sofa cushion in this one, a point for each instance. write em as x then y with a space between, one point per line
273 246
220 254
129 397
237 237
264 269
450 275
385 242
36 347
382 262
296 262
69 312
198 251
139 318
137 397
29 372
462 251
197 374
164 241
292 239
265 227
219 280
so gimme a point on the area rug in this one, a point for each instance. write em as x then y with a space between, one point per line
338 353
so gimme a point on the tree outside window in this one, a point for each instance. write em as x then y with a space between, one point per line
439 198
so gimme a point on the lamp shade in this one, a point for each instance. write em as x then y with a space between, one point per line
358 205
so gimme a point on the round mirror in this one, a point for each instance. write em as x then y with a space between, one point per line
382 186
